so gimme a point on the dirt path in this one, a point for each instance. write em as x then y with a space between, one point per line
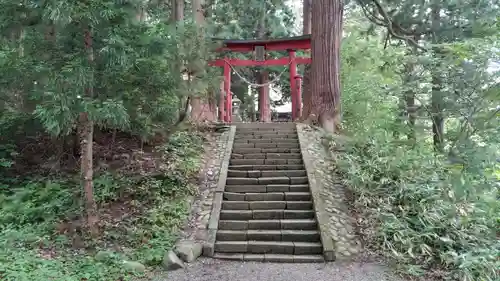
219 270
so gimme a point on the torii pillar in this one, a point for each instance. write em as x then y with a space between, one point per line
227 90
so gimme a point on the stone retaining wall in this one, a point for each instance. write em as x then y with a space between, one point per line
336 224
213 221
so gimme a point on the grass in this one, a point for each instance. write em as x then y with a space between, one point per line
42 234
432 219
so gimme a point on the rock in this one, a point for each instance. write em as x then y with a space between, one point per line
103 255
188 251
172 262
134 266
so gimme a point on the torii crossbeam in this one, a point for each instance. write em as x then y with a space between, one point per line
259 47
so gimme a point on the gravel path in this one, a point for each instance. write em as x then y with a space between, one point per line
219 270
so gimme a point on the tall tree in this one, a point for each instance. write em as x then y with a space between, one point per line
325 69
86 133
177 10
437 99
203 104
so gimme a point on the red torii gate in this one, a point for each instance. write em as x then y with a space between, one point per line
290 44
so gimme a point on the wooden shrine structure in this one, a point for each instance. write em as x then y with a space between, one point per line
260 47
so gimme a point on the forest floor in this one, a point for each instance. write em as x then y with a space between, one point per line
142 193
220 270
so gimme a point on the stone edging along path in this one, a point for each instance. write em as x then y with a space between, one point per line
315 184
329 196
209 246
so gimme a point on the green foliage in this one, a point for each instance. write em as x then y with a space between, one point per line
431 213
130 83
150 212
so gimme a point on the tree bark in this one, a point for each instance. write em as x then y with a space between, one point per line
306 9
177 15
201 107
411 111
437 97
325 68
86 133
306 81
177 10
407 110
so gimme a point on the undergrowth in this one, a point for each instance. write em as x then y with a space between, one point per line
434 212
430 217
42 235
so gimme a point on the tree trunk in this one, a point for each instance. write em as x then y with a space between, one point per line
407 110
411 109
201 109
412 114
325 68
306 81
86 133
177 15
177 10
437 95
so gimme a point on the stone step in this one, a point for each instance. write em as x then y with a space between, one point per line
244 141
276 131
267 196
268 235
267 167
266 214
264 126
269 214
266 145
265 161
242 188
265 150
266 180
269 247
288 224
266 205
252 127
255 126
270 173
270 258
267 134
263 138
267 156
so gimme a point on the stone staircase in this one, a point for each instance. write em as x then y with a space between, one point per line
267 211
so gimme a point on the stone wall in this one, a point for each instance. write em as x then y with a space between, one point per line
329 195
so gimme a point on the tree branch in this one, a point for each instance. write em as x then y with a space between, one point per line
389 26
386 22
